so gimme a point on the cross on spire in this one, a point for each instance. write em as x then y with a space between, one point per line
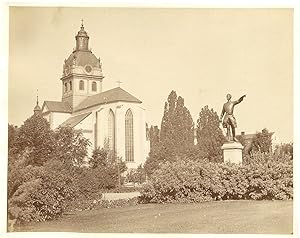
82 23
119 83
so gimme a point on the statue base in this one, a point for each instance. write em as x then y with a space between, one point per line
232 152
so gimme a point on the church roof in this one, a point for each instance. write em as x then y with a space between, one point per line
37 108
83 58
54 106
113 95
73 121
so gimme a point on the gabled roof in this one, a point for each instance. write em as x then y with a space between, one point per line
54 106
73 121
113 95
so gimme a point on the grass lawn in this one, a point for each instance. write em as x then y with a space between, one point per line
271 217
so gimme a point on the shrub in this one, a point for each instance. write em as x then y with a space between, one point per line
43 195
264 177
136 175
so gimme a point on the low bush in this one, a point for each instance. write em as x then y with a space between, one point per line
43 195
262 177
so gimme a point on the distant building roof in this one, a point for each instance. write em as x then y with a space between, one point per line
113 95
54 106
73 121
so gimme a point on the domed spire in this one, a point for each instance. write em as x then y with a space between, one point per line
37 108
82 39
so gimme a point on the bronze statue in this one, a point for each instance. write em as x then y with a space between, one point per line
229 120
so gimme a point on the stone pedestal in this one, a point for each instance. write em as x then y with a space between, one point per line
232 152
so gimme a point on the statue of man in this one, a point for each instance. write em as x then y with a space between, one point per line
229 120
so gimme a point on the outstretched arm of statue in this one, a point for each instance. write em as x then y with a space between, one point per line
239 100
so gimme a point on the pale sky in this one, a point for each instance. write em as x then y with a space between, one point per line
202 54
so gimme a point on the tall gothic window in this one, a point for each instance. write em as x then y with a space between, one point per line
111 130
81 85
94 86
129 149
70 85
66 87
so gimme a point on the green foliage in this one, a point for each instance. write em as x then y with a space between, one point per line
42 178
154 137
284 149
262 141
267 177
43 193
209 135
70 146
12 134
105 171
35 136
176 126
99 158
175 137
136 175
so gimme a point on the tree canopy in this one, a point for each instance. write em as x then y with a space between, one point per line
209 135
262 141
176 135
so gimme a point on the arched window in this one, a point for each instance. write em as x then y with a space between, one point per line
70 85
111 130
129 149
94 86
81 85
66 87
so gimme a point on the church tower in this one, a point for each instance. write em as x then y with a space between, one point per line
82 72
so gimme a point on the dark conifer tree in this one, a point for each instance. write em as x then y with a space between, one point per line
176 135
209 134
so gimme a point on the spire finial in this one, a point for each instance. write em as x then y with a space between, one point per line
82 24
37 96
37 109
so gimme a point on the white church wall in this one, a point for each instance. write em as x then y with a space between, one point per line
139 131
100 117
86 126
90 82
58 118
48 118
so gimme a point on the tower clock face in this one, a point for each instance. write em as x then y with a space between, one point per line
88 68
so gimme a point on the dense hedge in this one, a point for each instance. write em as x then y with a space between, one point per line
264 176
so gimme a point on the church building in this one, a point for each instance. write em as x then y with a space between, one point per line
112 118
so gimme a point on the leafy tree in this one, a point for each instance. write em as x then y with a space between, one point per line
35 136
12 134
285 148
209 135
99 158
262 141
106 168
70 146
137 175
